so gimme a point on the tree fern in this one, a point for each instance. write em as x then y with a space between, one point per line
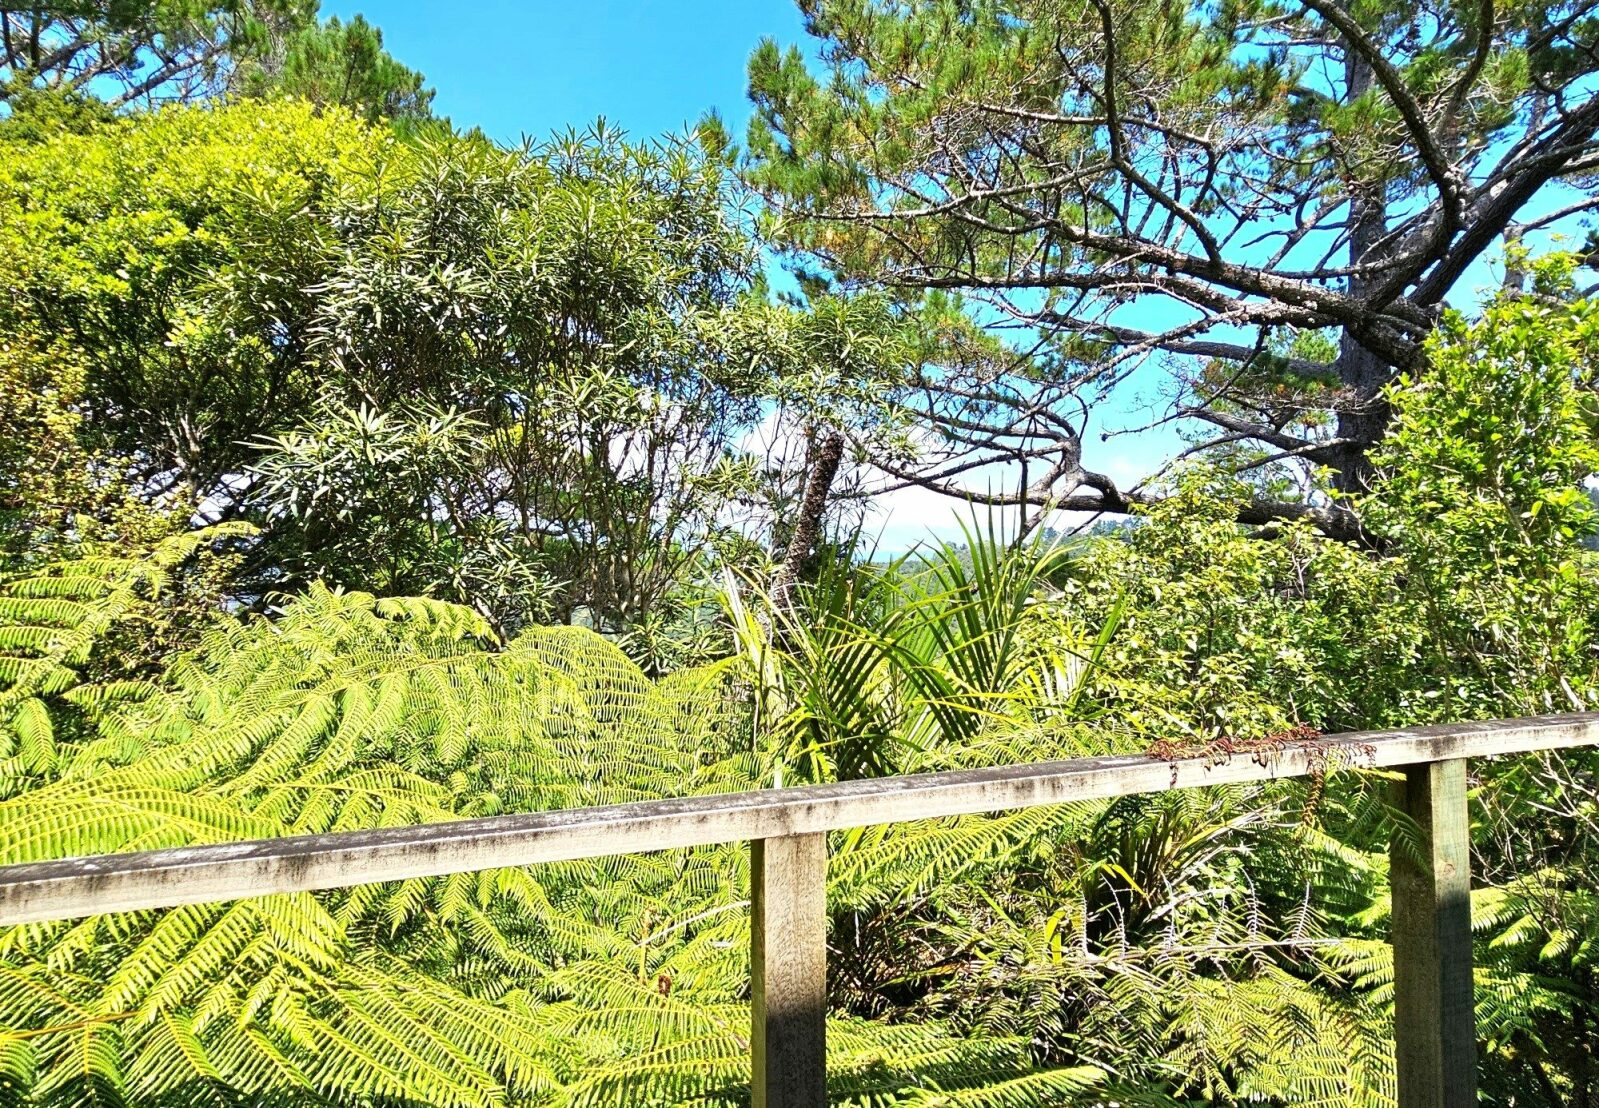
625 980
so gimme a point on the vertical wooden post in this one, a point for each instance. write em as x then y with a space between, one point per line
788 959
1435 1038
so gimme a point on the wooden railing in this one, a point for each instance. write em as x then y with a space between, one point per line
1435 1041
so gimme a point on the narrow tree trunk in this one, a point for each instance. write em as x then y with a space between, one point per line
826 456
1362 413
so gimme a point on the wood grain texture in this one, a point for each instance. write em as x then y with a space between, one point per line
1435 1039
788 970
187 875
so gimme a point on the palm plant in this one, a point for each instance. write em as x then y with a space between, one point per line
1126 936
896 665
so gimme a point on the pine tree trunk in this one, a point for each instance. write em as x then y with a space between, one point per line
1362 413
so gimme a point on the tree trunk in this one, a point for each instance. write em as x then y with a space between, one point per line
826 456
1362 412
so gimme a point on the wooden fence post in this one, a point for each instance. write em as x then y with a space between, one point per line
788 960
1435 1038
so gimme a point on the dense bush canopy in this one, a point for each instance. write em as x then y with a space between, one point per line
359 472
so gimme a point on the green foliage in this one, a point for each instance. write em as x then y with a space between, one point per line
1192 945
60 490
1226 635
1536 924
1223 946
884 666
36 115
269 271
572 299
1198 186
349 711
366 492
141 51
620 980
173 268
54 59
433 394
101 617
1484 496
42 465
839 361
331 63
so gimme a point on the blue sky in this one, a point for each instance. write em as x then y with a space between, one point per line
518 69
535 67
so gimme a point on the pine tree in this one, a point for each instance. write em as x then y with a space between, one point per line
1274 196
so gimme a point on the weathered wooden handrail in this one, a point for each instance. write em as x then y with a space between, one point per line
1435 1037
